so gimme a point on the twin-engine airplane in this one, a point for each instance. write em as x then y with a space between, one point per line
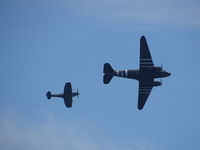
67 95
145 75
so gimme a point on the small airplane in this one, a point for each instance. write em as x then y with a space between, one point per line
67 95
145 75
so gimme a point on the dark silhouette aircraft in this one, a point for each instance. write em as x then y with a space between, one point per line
67 95
145 75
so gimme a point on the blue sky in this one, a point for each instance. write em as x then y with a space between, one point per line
44 44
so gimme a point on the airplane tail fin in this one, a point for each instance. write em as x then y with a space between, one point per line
108 70
49 95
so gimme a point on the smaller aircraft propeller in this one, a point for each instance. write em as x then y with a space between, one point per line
78 94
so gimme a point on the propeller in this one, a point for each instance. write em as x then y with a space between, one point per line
161 70
77 94
161 81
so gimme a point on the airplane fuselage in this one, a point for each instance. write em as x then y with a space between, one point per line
64 96
153 72
75 94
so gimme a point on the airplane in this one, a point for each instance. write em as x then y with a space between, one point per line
145 75
67 95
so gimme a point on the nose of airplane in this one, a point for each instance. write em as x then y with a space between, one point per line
168 73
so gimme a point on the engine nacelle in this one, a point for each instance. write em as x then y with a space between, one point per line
156 83
158 68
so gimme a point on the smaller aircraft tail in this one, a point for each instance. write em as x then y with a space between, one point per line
108 73
49 95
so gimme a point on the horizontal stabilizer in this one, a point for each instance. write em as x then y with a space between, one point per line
48 95
107 68
107 78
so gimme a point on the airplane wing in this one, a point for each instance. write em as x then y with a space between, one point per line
68 88
144 92
68 94
68 101
145 55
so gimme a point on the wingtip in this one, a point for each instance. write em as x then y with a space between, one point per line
140 107
142 37
68 83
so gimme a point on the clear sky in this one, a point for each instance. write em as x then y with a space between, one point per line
45 43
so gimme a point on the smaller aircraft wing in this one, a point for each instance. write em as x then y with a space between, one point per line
143 94
68 101
68 94
68 88
145 55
